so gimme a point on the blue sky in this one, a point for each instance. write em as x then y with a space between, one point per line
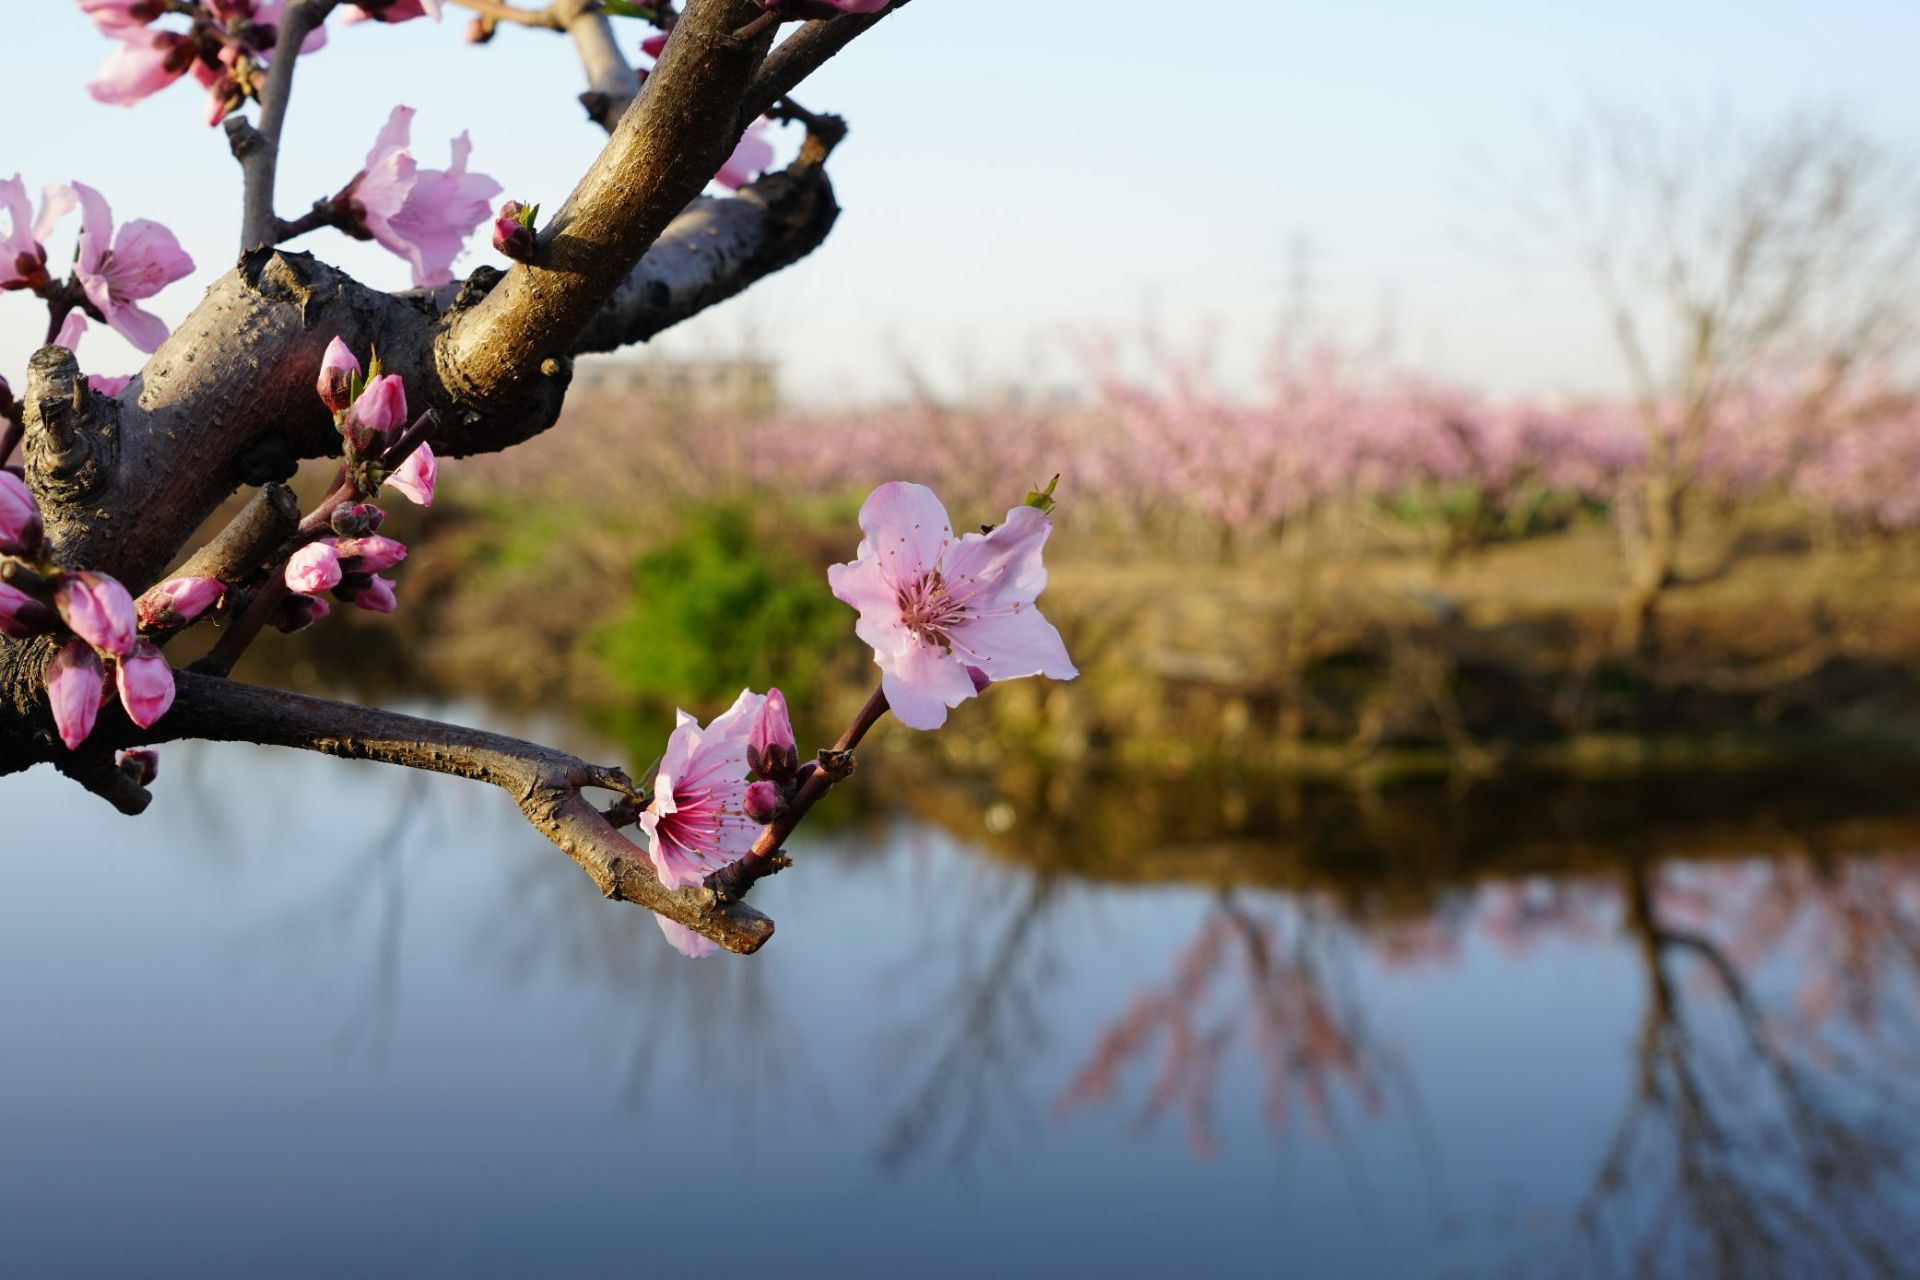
1023 174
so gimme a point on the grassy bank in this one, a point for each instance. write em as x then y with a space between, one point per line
1352 646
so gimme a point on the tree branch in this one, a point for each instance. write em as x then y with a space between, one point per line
714 250
662 153
545 784
834 765
258 147
801 54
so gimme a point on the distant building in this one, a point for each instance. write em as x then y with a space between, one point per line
731 386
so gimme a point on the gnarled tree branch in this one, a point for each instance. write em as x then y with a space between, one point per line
546 785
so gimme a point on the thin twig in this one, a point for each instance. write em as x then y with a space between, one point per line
259 156
547 18
834 765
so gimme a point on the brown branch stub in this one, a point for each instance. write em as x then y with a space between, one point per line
72 446
100 773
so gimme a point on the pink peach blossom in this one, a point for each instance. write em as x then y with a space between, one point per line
312 569
142 260
416 478
422 215
147 61
684 940
23 253
74 682
696 822
178 601
20 525
391 11
114 16
932 605
752 156
97 609
146 684
72 329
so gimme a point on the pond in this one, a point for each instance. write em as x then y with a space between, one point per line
308 1018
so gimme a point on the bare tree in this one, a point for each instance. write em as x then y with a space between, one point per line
1720 254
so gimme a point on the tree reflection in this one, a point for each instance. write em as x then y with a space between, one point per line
1265 976
1738 1156
988 1028
1773 1094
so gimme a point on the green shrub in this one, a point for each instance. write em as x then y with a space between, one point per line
726 603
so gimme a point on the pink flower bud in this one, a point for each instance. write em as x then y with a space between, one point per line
74 682
375 554
380 411
20 527
312 569
297 613
415 478
178 601
358 520
98 609
142 764
146 684
480 29
654 43
376 597
763 803
511 234
338 369
21 615
771 751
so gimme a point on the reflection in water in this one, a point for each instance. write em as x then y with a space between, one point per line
1761 1139
1259 975
1612 1031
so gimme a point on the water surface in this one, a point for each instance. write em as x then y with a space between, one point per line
307 1018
